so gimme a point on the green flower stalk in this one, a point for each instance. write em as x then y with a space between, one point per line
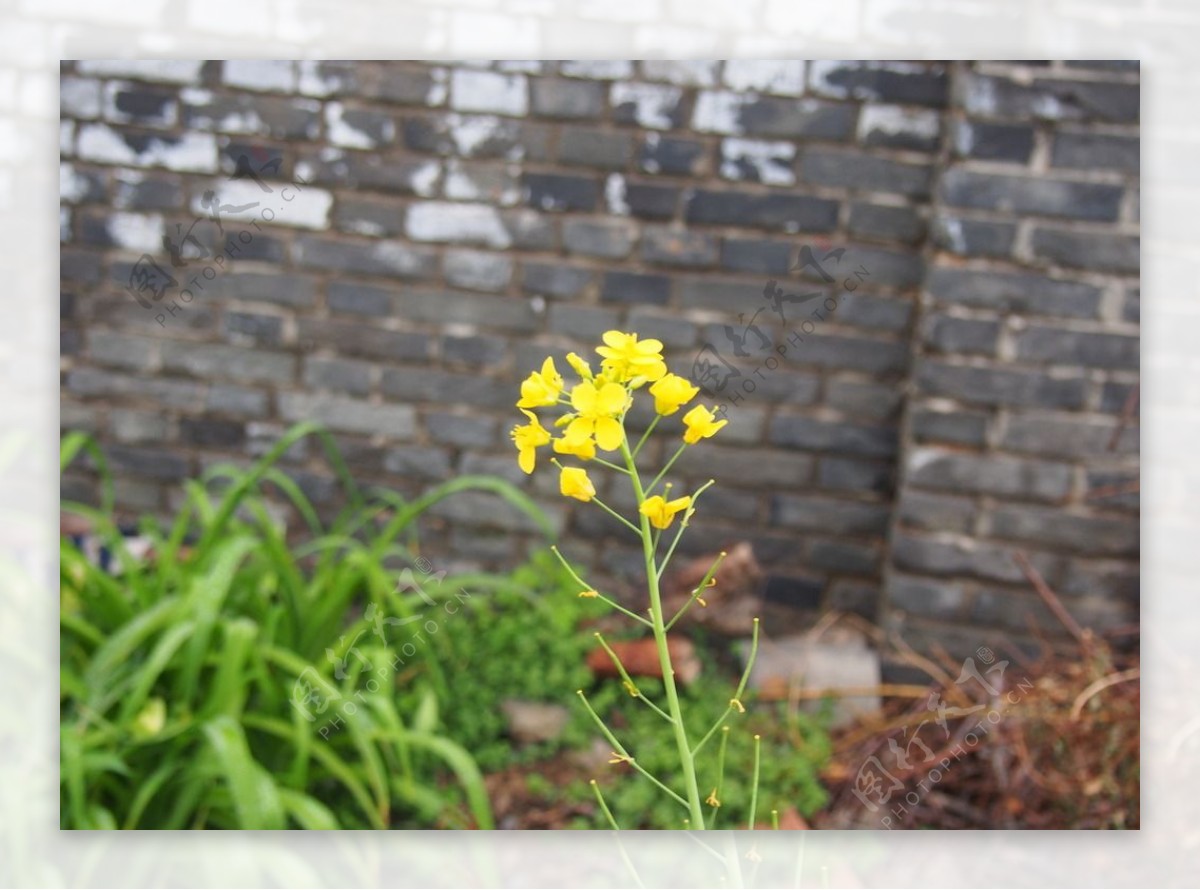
593 422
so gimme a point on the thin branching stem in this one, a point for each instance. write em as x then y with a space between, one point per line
754 784
650 488
700 588
624 755
735 703
646 435
630 686
587 587
662 566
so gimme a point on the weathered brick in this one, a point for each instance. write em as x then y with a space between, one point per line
477 270
79 97
384 258
873 401
409 85
209 360
260 74
558 191
894 126
1066 436
488 91
123 351
431 464
212 433
355 298
477 136
1063 346
481 181
672 156
528 229
157 463
942 470
272 117
608 238
993 142
945 333
138 191
364 216
649 201
635 287
756 255
589 147
922 596
232 399
248 328
875 313
935 512
1036 196
809 434
854 475
829 515
1056 528
126 103
137 426
1088 250
452 307
567 98
372 172
746 114
747 467
554 279
958 557
1051 99
190 153
851 557
1090 151
349 415
422 384
886 222
865 172
784 212
905 83
1016 292
969 237
459 223
756 160
362 339
686 73
582 322
1000 386
650 105
782 76
678 247
339 375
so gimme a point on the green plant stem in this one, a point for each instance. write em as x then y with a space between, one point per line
613 513
754 786
611 466
700 588
630 686
619 749
737 695
662 566
646 435
694 801
613 603
663 472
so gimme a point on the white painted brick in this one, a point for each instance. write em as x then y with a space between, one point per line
265 75
784 77
720 112
894 120
138 232
653 103
303 207
597 69
489 91
79 97
168 70
684 73
444 221
193 153
772 161
342 133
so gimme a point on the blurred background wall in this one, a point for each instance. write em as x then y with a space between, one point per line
390 247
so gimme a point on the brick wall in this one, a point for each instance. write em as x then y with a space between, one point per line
402 242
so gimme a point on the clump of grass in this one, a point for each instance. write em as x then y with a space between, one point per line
192 682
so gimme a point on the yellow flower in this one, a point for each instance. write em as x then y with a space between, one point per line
597 408
662 512
671 393
712 800
626 357
701 423
528 439
541 388
574 483
584 449
582 368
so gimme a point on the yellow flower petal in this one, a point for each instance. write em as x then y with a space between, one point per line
574 483
609 434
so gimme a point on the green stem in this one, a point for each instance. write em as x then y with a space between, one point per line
683 524
754 786
694 802
630 686
611 466
663 472
700 588
615 515
646 435
618 748
599 596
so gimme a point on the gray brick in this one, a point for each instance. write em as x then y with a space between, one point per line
554 279
955 427
354 298
209 432
582 322
854 475
865 172
431 464
156 463
407 85
373 172
876 313
1063 346
493 465
829 515
384 258
1017 292
885 222
528 229
905 83
214 360
783 212
476 351
808 434
362 339
894 126
850 353
349 415
288 290
464 430
922 596
126 103
1091 151
935 513
559 191
1111 580
725 294
490 511
1056 528
872 401
993 142
477 270
634 287
444 221
230 399
452 307
1000 386
747 467
649 105
959 557
756 255
567 98
849 557
1027 195
144 192
1088 250
1051 99
972 237
249 328
182 394
363 216
339 375
884 267
1066 436
608 238
665 246
1013 609
123 351
673 156
992 474
443 387
796 119
588 147
137 426
674 332
647 201
945 333
271 117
